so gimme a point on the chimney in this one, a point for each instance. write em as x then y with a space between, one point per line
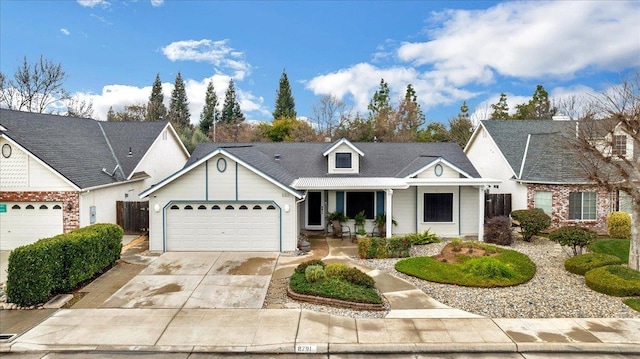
327 139
561 118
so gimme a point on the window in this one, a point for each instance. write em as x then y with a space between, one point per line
175 207
257 207
343 160
44 207
360 201
243 207
438 207
188 207
582 205
202 206
215 207
542 200
620 145
229 208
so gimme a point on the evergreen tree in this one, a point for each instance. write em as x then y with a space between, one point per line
156 110
111 115
500 109
179 106
464 112
409 116
285 104
381 114
538 108
231 112
210 113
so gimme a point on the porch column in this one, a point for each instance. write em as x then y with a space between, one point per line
481 213
387 210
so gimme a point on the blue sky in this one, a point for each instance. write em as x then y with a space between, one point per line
451 51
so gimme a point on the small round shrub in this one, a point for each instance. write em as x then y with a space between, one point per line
315 273
487 267
498 231
336 269
456 243
356 276
573 236
301 268
619 225
583 263
532 221
614 280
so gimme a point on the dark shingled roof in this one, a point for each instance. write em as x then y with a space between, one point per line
546 159
78 148
297 160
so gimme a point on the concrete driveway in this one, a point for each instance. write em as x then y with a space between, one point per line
199 280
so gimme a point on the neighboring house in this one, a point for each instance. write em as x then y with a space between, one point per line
539 171
260 196
59 173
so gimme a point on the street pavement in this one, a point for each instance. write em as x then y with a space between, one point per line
164 323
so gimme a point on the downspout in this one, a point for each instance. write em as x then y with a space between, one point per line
304 197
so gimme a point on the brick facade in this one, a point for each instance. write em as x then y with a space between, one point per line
70 217
560 205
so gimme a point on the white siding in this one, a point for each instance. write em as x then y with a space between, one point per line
448 229
21 172
222 187
104 199
163 158
447 172
490 163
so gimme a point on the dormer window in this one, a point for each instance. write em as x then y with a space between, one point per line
620 145
343 160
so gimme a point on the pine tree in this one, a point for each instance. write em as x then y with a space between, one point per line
179 106
464 112
285 104
409 116
111 115
380 113
500 109
538 108
210 113
231 112
156 110
461 128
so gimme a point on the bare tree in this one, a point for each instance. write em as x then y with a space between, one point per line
326 113
573 106
78 106
34 87
602 147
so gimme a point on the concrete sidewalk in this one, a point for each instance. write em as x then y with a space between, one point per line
303 331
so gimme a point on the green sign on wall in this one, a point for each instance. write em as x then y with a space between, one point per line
3 208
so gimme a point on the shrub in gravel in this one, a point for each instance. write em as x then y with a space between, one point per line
583 263
302 267
619 225
614 280
425 237
573 236
334 288
532 221
315 273
374 247
497 230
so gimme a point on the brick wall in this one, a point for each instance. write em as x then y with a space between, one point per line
70 217
560 205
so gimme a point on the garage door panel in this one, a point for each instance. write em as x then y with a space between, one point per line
222 226
26 222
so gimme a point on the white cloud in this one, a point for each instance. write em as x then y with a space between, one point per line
530 39
93 3
65 31
120 96
217 53
157 3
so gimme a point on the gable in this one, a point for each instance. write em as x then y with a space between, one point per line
440 169
486 156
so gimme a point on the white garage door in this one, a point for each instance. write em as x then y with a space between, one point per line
223 227
26 222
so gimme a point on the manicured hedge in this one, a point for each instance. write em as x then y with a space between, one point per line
59 264
583 263
614 280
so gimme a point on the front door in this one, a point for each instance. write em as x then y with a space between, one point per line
314 211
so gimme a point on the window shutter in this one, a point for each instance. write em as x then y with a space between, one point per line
340 201
380 202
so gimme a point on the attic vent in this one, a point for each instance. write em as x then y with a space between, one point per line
130 154
276 157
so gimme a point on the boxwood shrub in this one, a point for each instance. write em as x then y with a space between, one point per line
619 225
59 264
583 263
614 280
532 221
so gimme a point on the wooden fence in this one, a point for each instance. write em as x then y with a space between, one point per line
497 204
133 217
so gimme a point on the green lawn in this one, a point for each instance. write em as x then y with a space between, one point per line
614 247
633 303
508 268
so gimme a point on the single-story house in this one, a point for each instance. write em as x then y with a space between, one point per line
539 171
260 196
59 173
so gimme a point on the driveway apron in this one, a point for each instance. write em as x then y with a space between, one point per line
197 280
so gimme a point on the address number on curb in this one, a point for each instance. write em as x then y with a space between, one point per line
306 348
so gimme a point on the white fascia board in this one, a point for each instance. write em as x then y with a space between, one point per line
114 184
174 176
473 136
65 179
341 141
176 138
452 181
349 183
435 162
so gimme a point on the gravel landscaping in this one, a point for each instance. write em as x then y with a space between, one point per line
552 293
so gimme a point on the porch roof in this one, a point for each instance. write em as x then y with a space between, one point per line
346 183
451 181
